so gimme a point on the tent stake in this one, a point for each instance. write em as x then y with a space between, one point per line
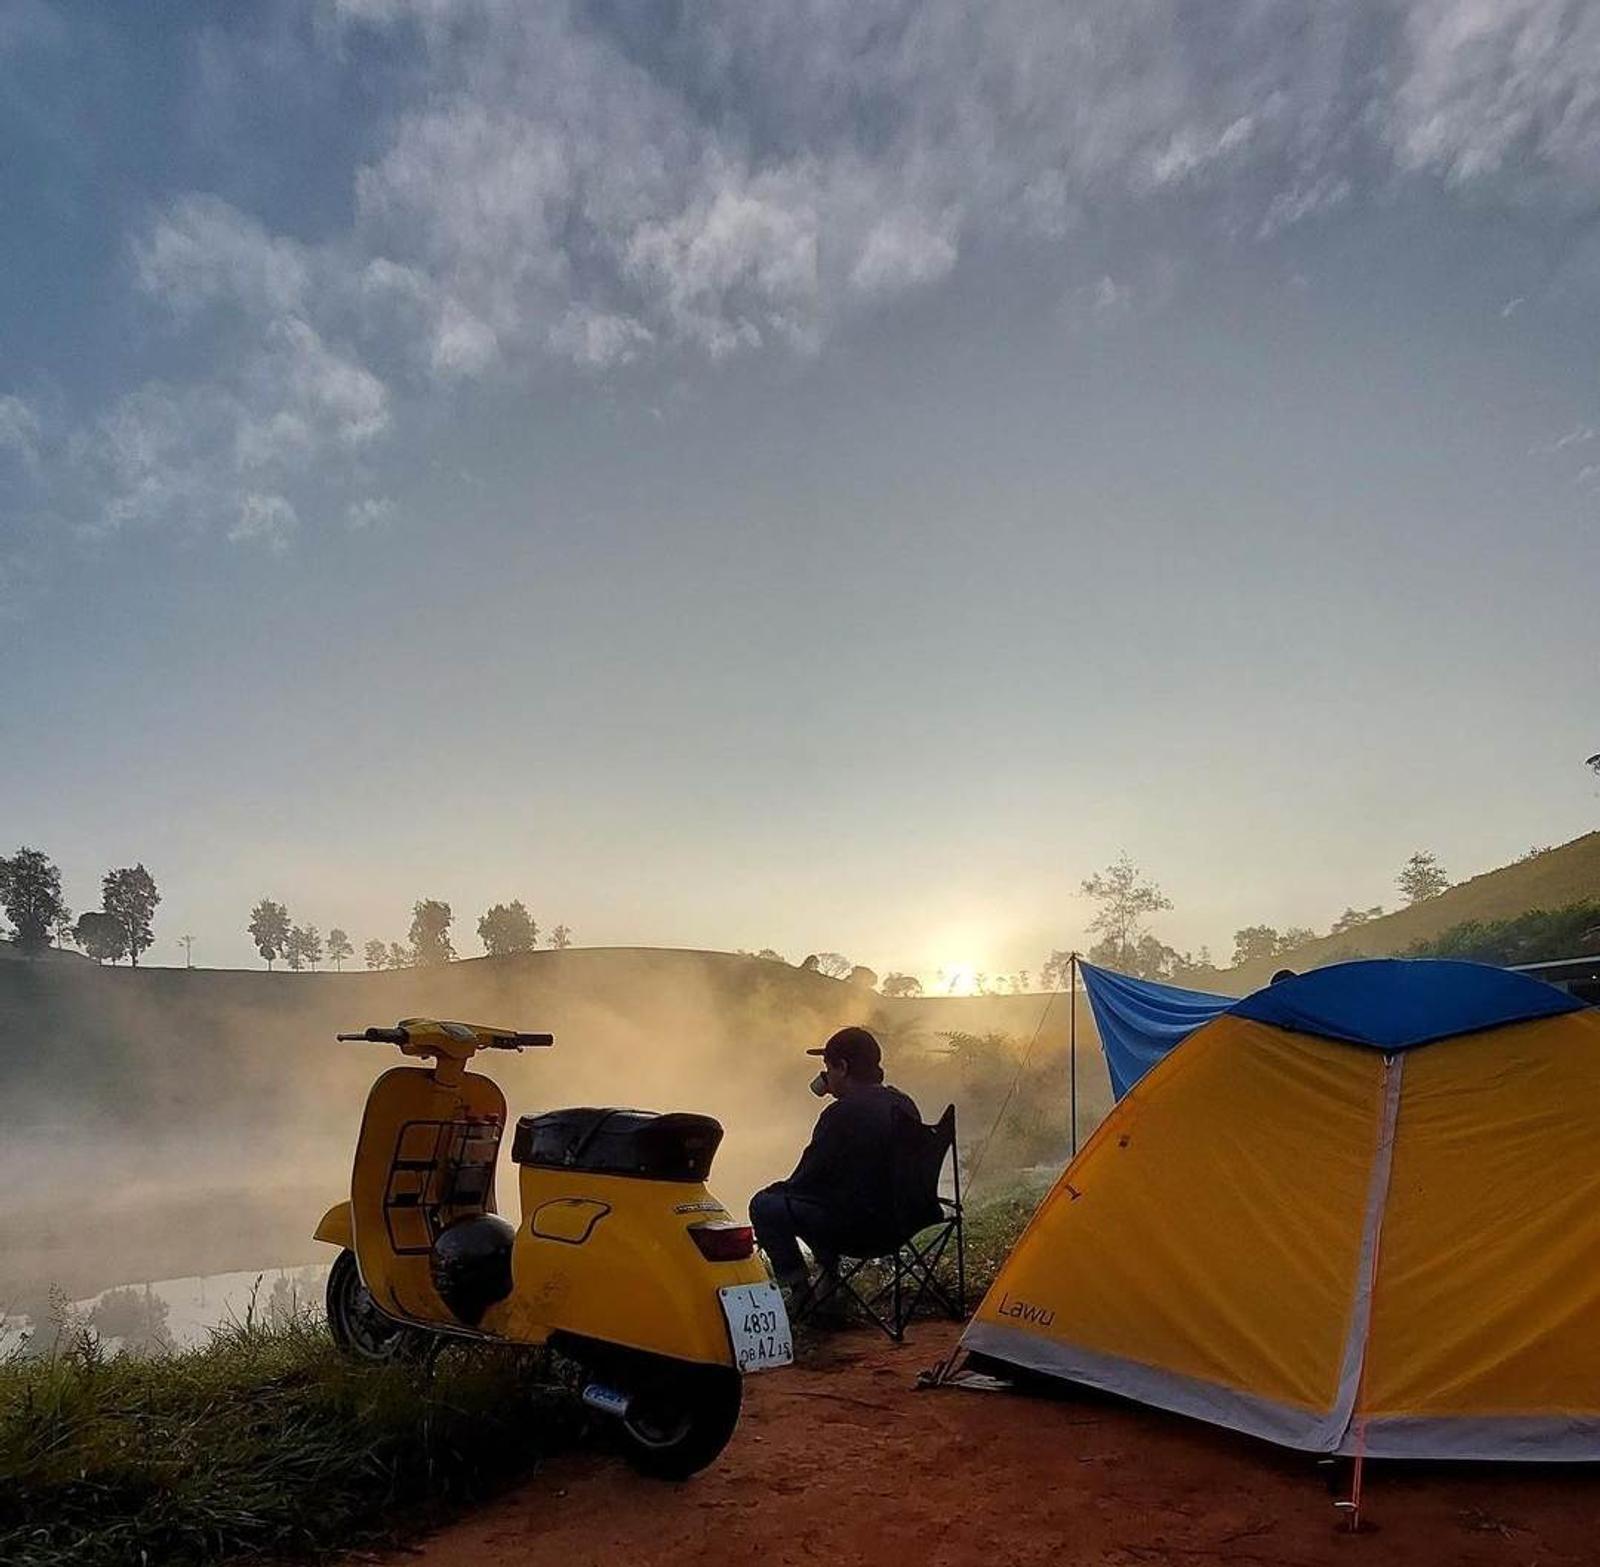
1352 1508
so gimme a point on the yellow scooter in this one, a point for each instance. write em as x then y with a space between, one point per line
622 1261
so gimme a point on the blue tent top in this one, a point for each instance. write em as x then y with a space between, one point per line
1384 1003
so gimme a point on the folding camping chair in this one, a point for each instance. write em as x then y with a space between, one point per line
905 1258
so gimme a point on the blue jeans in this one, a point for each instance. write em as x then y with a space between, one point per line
782 1219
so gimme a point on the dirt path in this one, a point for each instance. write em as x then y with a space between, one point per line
842 1461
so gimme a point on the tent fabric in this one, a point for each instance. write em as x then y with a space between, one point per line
1388 1003
1336 1248
1398 1003
1139 1021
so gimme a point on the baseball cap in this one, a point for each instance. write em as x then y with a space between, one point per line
853 1046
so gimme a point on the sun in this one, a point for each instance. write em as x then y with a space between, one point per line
956 979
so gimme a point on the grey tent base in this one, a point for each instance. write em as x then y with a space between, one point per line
1525 1438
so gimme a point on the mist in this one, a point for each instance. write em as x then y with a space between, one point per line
162 1123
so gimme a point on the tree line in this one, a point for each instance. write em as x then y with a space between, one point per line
1127 898
33 901
505 928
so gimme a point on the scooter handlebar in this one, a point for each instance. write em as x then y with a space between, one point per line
381 1036
520 1041
402 1036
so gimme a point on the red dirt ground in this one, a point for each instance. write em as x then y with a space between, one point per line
842 1460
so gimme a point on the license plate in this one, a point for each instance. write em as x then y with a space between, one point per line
758 1326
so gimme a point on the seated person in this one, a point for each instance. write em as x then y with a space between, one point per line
840 1199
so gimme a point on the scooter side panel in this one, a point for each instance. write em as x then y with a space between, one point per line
391 1242
610 1257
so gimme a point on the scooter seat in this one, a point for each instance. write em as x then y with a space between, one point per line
640 1143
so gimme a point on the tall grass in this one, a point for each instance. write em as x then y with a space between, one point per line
266 1442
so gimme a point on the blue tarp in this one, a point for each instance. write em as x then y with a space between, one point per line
1385 1003
1140 1021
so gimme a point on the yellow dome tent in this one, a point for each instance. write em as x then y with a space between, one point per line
1357 1212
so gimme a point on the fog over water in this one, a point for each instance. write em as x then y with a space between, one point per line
167 1123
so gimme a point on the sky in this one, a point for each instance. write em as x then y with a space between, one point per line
807 475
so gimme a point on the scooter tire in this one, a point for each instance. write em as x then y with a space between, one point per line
683 1421
360 1330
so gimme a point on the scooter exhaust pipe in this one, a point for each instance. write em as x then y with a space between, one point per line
607 1400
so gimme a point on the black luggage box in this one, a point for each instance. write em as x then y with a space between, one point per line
677 1147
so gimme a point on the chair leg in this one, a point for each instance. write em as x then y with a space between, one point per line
899 1317
924 1264
838 1282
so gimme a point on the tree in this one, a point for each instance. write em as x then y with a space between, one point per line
507 928
375 954
863 977
269 929
1056 970
400 957
30 893
1352 919
561 938
339 948
1421 877
834 964
130 895
297 949
772 955
311 945
1253 943
430 933
137 1317
101 936
901 985
1294 938
1125 897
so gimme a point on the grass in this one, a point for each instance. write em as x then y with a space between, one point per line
992 1231
267 1443
264 1443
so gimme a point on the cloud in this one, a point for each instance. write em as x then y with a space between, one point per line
564 184
598 340
20 430
1500 86
1300 202
267 520
370 512
201 251
905 251
1578 435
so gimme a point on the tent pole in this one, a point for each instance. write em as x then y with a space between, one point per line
1072 1046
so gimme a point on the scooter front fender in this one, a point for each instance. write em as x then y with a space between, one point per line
336 1228
610 1258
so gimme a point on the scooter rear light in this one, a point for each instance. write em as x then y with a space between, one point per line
722 1241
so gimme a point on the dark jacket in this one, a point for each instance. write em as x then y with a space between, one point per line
848 1164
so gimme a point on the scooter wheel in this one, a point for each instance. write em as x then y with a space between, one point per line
680 1418
360 1330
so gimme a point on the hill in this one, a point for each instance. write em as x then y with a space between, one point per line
1549 880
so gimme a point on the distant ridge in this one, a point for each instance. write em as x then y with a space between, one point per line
1551 880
